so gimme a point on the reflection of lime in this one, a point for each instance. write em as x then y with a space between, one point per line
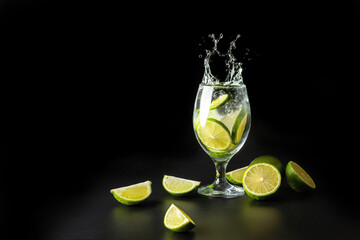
177 220
236 176
298 179
219 101
214 135
270 160
261 221
261 180
239 126
179 186
132 194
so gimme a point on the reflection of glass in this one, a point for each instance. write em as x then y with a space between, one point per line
221 121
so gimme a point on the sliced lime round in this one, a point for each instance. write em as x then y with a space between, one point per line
239 126
219 101
214 135
261 180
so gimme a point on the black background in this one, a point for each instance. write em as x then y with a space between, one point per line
87 86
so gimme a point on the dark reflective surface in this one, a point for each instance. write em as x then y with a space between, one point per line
99 96
95 214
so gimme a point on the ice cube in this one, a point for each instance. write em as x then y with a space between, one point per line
229 107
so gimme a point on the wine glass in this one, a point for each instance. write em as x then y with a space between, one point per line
221 121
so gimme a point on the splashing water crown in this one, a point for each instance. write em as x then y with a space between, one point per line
232 69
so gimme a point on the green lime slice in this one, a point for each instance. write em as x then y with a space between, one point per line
235 176
270 160
239 126
196 121
261 180
228 119
132 194
177 220
219 101
214 135
179 186
211 114
298 179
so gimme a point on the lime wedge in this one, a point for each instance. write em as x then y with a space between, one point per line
298 179
177 220
270 160
239 126
261 180
132 194
214 135
219 101
179 186
235 177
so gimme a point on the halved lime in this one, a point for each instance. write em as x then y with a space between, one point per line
270 160
298 179
235 176
177 220
219 101
214 135
179 186
132 194
239 126
261 180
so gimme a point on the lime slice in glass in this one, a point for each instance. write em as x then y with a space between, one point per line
298 179
179 186
239 126
177 220
261 180
214 135
132 194
235 176
212 114
219 101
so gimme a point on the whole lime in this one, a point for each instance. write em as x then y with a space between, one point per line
270 160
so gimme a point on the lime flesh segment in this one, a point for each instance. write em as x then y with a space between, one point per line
235 177
298 179
132 194
177 220
179 186
219 101
261 180
214 135
239 126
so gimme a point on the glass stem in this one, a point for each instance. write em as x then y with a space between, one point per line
220 173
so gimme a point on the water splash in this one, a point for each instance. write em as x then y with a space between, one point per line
228 70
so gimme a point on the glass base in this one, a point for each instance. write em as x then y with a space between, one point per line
222 190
